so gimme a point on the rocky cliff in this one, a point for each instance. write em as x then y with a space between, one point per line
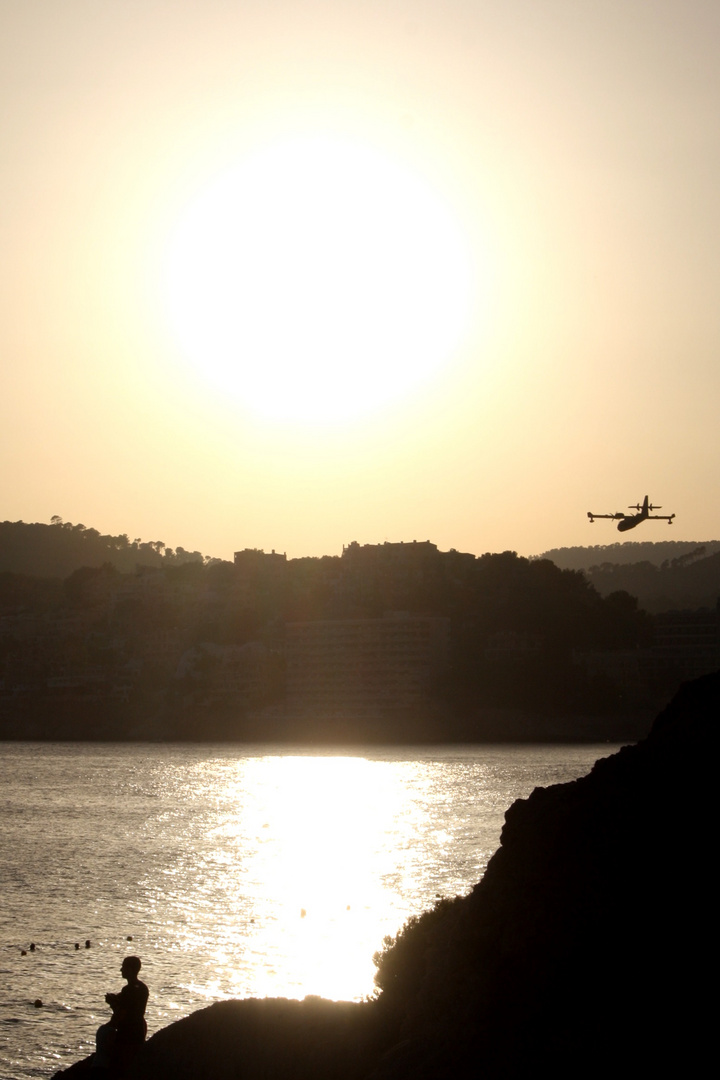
584 949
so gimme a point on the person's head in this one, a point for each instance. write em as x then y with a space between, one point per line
130 967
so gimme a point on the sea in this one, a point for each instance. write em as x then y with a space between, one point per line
231 871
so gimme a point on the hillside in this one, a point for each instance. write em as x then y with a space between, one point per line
411 643
662 575
628 551
58 549
685 583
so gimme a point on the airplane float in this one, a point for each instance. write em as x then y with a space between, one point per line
629 521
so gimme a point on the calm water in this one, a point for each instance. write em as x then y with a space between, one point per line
236 871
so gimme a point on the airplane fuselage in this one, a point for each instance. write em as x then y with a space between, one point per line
631 521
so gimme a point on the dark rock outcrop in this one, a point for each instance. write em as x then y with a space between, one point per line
584 951
584 948
269 1038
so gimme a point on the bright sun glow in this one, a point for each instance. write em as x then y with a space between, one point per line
317 280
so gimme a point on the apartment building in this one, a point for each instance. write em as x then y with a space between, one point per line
688 641
364 665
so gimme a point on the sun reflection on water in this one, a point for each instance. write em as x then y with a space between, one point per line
323 870
289 869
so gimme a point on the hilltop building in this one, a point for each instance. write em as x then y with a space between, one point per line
257 559
391 552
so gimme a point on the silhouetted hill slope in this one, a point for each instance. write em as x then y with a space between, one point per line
663 577
628 551
582 952
58 549
682 584
583 949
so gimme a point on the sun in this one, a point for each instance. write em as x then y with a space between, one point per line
317 280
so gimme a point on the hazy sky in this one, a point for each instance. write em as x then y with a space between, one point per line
290 274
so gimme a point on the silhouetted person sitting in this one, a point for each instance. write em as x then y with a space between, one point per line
119 1040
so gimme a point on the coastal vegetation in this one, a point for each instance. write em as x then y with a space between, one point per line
58 549
660 553
663 575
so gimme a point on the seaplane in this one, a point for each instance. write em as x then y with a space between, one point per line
629 521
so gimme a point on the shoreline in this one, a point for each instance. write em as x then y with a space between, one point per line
277 727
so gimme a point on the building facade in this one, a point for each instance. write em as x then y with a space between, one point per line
364 665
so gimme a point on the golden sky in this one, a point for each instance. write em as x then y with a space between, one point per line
290 274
